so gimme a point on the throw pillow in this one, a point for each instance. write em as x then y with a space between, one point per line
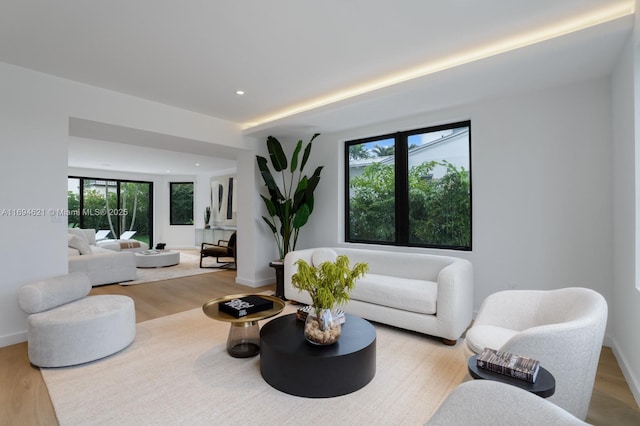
80 233
79 244
49 293
90 236
322 255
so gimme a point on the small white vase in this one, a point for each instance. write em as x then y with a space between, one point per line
321 327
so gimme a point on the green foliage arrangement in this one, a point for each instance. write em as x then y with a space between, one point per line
439 209
290 204
329 283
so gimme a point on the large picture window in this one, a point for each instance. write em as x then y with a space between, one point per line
111 207
181 203
410 188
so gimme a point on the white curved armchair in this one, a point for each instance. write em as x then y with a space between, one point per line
485 402
563 329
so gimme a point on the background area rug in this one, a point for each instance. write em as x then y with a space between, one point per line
189 265
177 371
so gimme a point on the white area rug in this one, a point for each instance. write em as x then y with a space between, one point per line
189 265
177 372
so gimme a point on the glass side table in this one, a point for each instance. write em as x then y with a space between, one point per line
244 333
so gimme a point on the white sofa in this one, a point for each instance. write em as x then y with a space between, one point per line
101 265
429 294
123 245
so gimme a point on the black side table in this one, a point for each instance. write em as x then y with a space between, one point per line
545 385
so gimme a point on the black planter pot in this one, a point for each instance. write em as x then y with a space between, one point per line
278 265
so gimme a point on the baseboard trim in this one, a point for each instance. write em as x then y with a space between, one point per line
254 284
632 380
12 339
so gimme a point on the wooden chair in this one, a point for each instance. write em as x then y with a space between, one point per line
224 248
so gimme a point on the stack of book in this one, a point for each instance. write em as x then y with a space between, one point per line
506 363
244 306
150 252
307 310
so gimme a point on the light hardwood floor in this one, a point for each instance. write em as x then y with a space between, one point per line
24 399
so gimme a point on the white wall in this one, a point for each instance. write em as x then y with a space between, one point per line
624 311
34 130
552 172
541 177
33 166
256 246
181 236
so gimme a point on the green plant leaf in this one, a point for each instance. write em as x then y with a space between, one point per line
273 228
305 156
314 180
268 179
300 196
294 158
301 217
278 158
309 203
271 208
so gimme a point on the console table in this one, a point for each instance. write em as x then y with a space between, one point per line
213 235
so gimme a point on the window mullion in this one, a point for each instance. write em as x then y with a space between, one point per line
401 189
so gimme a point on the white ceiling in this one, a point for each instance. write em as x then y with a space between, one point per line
288 54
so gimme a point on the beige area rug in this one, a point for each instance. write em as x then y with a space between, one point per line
177 372
189 265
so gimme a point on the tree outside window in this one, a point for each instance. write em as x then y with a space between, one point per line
111 205
181 203
411 188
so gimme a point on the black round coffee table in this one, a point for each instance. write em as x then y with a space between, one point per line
292 365
545 385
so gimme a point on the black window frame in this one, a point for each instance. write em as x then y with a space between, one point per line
172 220
401 169
81 195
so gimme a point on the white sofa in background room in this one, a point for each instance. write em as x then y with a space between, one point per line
101 265
426 293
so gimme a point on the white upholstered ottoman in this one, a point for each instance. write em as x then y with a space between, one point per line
157 258
67 327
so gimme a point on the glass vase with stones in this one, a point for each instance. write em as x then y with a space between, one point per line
321 327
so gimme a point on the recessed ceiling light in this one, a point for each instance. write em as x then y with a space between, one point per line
240 92
197 164
168 171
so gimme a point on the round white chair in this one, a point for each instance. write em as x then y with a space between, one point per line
563 329
67 327
489 403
